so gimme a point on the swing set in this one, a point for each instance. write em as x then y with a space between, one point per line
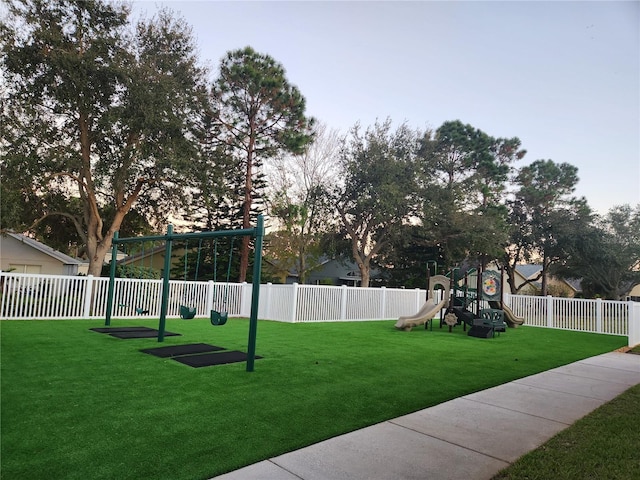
218 316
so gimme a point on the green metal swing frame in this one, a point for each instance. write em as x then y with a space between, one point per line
257 233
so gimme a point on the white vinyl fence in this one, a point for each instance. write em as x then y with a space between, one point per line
598 316
26 296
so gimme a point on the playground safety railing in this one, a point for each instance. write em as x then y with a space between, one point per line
28 296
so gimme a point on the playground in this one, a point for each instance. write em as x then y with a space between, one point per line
473 299
126 398
80 404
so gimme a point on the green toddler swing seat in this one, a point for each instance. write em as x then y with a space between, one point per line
218 318
187 313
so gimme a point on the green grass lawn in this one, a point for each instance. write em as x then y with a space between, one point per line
81 405
602 445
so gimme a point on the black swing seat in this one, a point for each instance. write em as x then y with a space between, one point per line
187 313
218 318
142 311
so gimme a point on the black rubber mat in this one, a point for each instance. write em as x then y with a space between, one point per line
209 359
122 329
177 350
142 334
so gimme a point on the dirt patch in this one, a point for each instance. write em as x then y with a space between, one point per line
632 350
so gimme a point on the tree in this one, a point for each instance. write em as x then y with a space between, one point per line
98 112
463 176
408 257
606 255
259 114
544 216
299 204
215 187
377 192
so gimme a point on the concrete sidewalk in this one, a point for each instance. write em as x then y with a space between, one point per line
471 437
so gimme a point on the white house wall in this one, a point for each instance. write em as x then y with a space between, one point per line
14 252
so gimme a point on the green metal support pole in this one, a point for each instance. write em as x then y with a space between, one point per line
112 279
479 294
165 283
255 294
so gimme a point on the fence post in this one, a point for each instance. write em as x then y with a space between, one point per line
210 291
383 302
420 298
549 311
633 329
245 300
343 303
599 315
88 294
294 302
266 298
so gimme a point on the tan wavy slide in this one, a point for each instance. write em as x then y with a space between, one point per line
427 312
430 308
511 318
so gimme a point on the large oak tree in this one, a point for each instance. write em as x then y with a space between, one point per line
97 110
463 178
376 193
606 254
545 216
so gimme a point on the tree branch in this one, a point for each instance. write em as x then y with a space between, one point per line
73 218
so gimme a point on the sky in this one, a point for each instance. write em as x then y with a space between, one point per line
563 77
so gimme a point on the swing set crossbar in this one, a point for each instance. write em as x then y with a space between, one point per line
170 236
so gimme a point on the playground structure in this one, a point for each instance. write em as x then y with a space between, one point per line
473 299
187 312
430 308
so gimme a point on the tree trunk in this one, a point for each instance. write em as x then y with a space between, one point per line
365 273
246 206
302 269
511 279
544 276
96 261
97 249
246 220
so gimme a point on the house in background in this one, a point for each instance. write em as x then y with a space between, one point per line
556 287
21 254
330 271
634 294
336 272
151 259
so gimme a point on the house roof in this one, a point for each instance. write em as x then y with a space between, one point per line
575 283
144 254
61 257
528 271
